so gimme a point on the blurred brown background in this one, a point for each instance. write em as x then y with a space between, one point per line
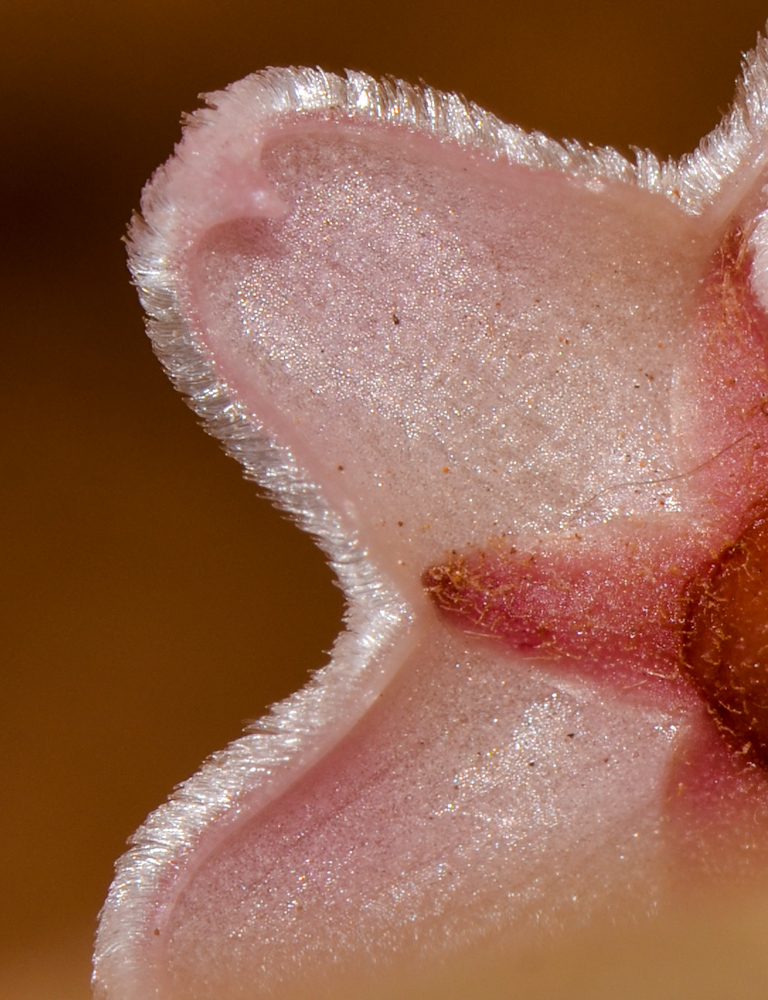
151 602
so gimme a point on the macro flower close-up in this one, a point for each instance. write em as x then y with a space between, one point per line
515 388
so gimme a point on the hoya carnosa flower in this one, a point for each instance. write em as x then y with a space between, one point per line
518 391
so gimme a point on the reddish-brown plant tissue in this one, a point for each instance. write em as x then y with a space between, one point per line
725 649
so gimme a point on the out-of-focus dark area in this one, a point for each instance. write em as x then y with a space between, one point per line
151 601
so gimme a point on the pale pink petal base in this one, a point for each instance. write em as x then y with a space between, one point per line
448 813
427 333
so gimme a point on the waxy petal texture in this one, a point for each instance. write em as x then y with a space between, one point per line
517 390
